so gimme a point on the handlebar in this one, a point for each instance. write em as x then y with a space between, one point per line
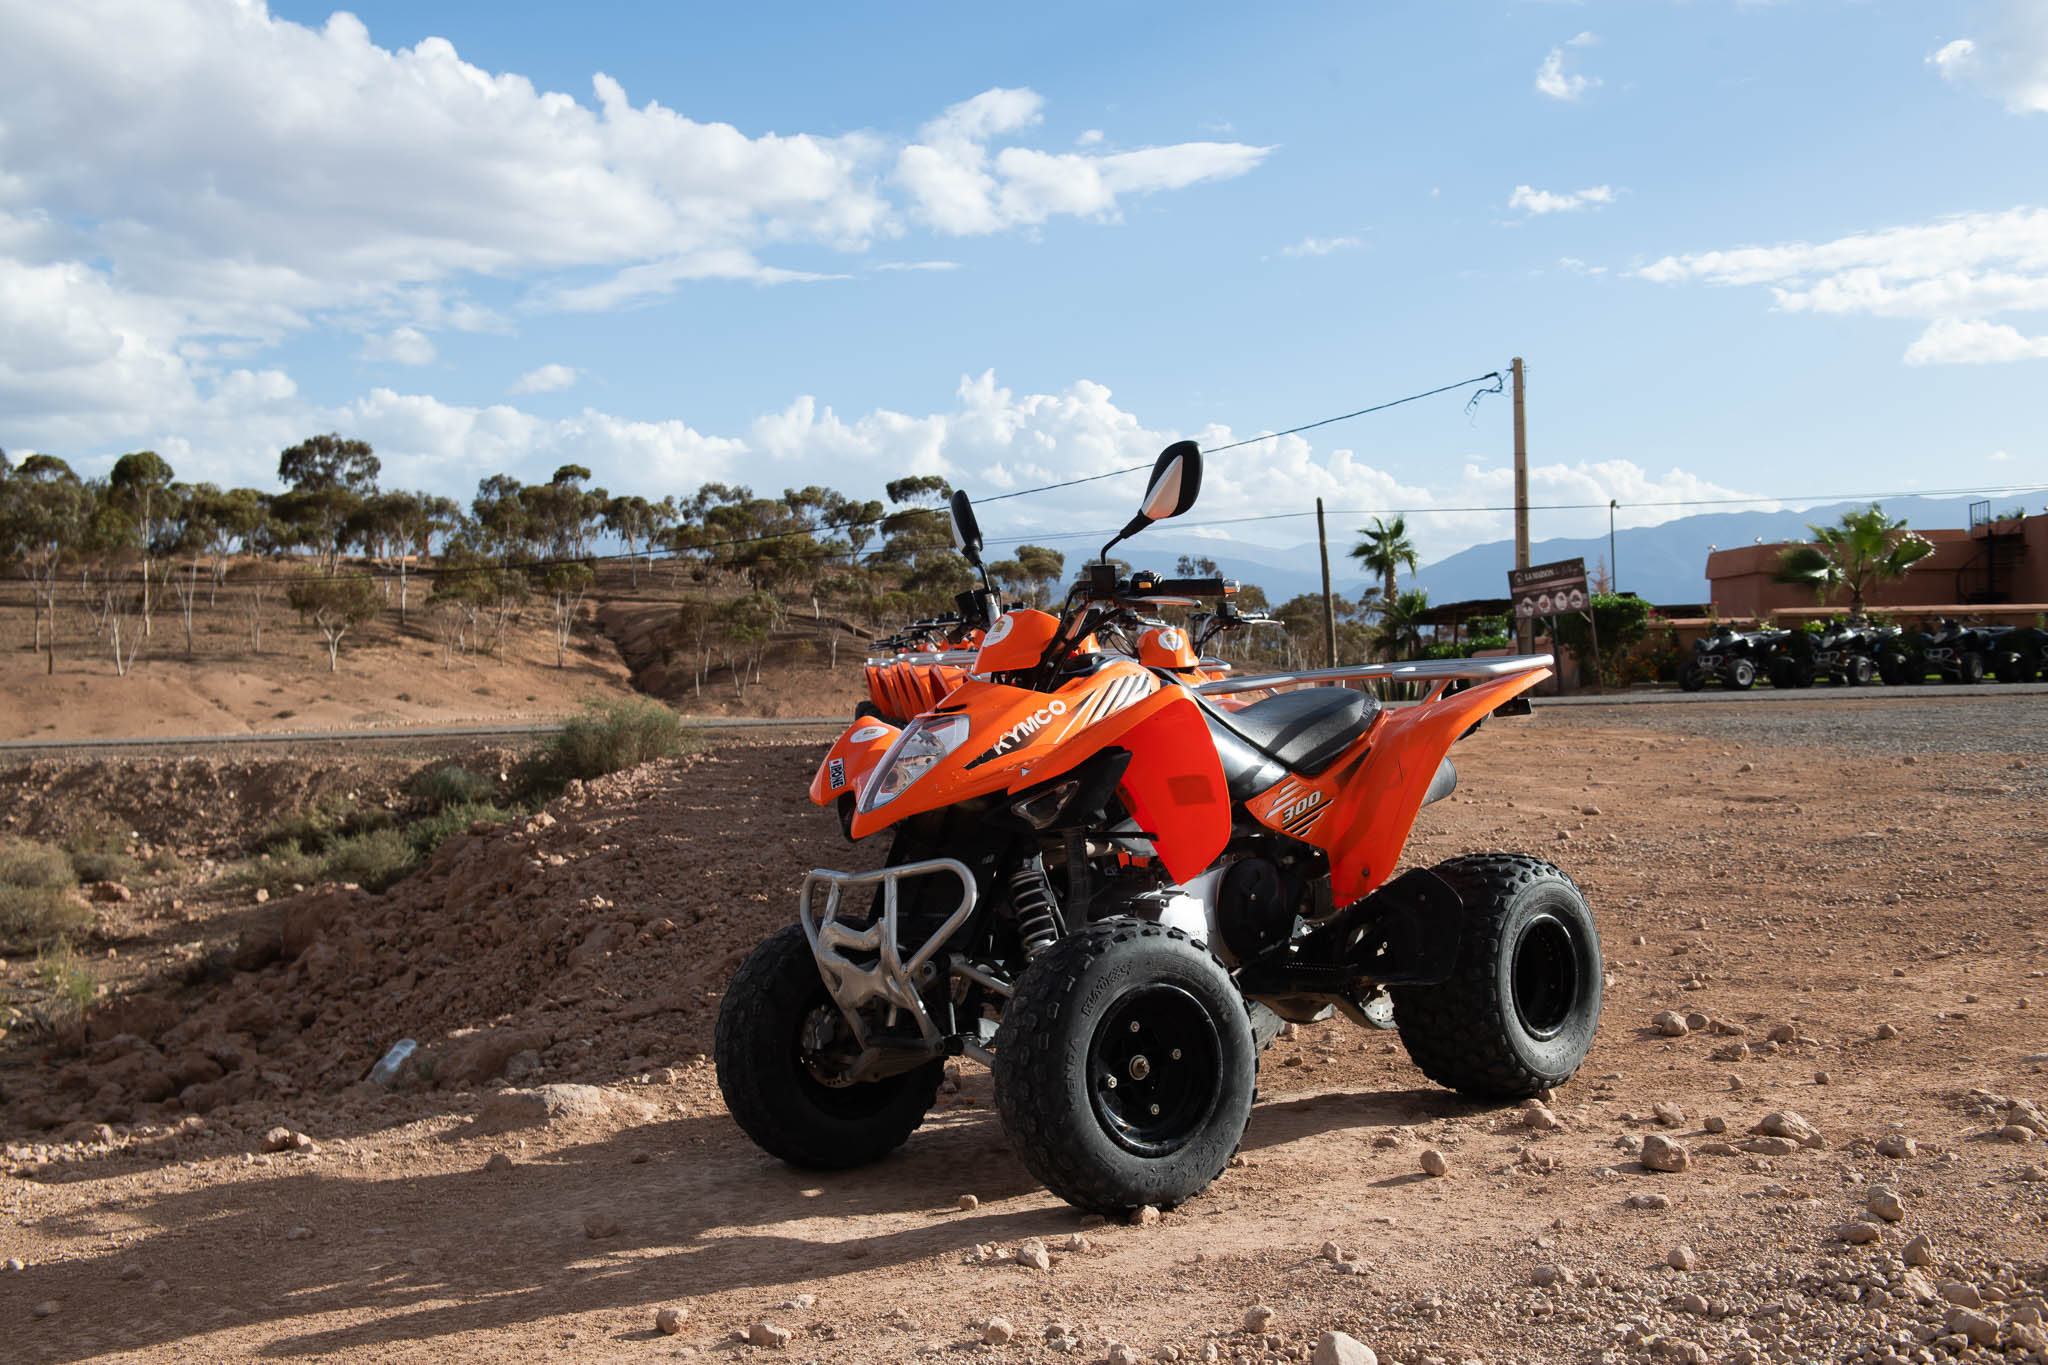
1144 585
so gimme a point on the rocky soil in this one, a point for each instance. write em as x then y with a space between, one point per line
1811 1127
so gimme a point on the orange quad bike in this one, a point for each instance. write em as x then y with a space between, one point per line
1113 891
911 671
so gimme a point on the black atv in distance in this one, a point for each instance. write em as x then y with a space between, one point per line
2022 655
1724 653
1963 653
1840 651
1902 656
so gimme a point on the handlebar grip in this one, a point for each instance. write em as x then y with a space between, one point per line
1187 587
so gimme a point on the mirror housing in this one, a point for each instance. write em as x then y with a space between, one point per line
966 530
1176 482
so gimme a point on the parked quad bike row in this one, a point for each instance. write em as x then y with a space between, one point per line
1112 878
1852 654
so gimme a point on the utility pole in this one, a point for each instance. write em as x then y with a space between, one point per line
1613 564
1525 627
1329 605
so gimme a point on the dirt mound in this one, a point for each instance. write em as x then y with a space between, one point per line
587 941
809 664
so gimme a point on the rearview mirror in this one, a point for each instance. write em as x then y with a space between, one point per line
966 531
1176 481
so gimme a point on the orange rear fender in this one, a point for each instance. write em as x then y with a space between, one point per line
1379 785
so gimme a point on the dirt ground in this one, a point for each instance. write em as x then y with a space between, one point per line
1882 905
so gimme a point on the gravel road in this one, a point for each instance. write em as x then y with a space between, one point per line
1986 723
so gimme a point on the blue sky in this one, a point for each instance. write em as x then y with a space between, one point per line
1747 249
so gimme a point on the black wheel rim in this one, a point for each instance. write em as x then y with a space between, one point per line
1154 1066
1545 976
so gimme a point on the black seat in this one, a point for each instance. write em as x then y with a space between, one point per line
1304 731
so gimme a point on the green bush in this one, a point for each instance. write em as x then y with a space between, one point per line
431 831
70 985
451 784
608 737
36 901
375 860
322 824
99 854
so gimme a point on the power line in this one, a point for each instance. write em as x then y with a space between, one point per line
1269 436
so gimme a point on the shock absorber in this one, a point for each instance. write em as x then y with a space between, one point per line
1036 908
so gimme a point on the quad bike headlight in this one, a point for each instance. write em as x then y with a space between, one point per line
923 742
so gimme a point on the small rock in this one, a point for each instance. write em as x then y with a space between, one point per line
1120 1354
968 1203
298 1234
499 1162
1897 1146
1857 1233
768 1334
1259 1318
262 895
1681 1258
1032 1255
1787 1124
47 1308
1661 1153
1981 1331
1144 1216
669 1321
1920 1251
998 1332
1884 1201
1783 1033
1770 1146
1697 1022
2015 1132
1887 1031
1589 810
1914 1285
1075 1242
1331 1252
1962 1293
15 1263
1648 1201
1714 1123
1670 1115
1745 767
1335 1348
1823 1078
599 1226
1545 1275
1433 1163
1541 1117
1670 1025
282 1139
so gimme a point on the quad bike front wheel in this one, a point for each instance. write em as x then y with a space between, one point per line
781 1048
1970 668
1125 1067
1742 676
1691 678
1518 1013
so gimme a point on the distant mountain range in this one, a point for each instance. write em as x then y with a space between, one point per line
1666 563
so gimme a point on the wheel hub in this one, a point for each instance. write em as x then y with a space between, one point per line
1545 973
1157 1056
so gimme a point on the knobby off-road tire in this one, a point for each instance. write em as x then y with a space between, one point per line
1691 678
1742 675
1861 672
1148 1008
867 710
1518 1014
770 1088
1970 668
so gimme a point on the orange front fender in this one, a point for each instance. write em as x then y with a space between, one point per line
851 759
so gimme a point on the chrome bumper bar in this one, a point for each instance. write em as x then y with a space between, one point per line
889 978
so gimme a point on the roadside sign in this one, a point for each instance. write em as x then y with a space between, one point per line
1549 589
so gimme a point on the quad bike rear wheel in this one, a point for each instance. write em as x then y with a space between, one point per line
780 1048
1970 668
1691 678
1125 1067
1860 671
1518 1013
1742 675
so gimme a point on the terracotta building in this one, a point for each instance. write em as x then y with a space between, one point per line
1997 569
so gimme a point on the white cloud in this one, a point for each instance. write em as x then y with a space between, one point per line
915 265
549 378
1953 272
1322 246
2011 63
401 346
189 182
1091 136
1579 267
1534 201
958 187
1553 80
1952 341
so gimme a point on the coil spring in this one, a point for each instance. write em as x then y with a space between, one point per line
1036 908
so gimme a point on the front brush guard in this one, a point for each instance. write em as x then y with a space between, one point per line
888 978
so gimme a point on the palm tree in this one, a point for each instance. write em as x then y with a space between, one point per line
1383 549
1866 549
1397 634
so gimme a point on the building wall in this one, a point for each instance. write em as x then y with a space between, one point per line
1741 586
